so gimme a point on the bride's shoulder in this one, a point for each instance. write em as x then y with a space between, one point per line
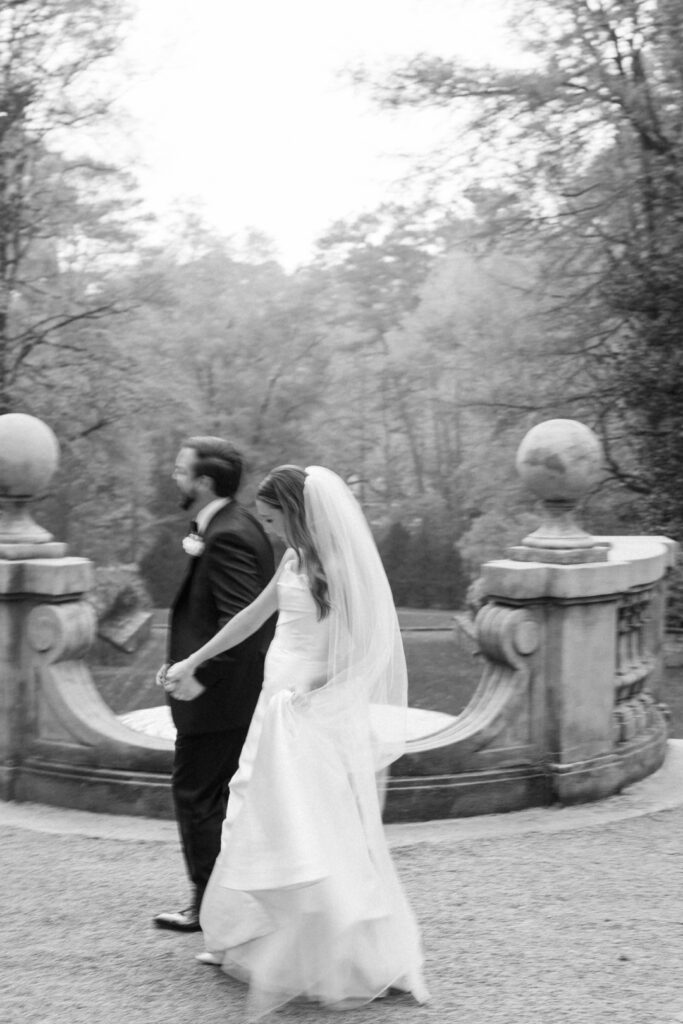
290 560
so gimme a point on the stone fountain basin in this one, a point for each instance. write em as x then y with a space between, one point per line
421 725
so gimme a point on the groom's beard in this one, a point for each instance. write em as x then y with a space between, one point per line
187 501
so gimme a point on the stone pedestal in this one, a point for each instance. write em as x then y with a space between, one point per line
24 587
570 636
59 742
599 723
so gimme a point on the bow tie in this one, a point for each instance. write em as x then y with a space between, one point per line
193 527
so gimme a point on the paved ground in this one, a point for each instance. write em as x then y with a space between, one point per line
551 916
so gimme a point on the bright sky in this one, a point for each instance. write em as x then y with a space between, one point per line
239 106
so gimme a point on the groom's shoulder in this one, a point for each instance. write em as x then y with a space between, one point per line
236 519
239 529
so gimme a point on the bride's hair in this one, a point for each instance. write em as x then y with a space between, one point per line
283 489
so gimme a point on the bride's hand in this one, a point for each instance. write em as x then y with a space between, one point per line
180 682
176 672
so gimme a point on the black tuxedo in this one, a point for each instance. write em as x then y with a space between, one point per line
234 567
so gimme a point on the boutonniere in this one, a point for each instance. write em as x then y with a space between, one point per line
193 545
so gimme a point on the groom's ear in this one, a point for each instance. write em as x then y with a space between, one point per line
207 484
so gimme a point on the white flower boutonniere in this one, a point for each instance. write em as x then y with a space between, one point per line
193 545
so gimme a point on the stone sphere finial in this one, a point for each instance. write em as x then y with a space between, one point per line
560 461
29 456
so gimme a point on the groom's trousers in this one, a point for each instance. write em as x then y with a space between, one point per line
202 769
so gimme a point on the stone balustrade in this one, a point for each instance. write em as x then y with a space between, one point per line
570 635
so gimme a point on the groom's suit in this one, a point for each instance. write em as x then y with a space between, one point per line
234 567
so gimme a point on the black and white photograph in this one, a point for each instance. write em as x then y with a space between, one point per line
341 511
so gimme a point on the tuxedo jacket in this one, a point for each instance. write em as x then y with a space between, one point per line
234 567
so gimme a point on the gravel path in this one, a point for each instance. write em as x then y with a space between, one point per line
568 927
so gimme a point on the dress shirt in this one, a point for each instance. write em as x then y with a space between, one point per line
206 514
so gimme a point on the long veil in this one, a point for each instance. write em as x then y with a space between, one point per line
367 681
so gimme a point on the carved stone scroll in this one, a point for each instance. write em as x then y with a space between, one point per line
61 632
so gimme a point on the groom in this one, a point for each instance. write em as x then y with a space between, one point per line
230 562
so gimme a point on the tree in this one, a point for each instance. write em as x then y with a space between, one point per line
58 212
375 267
394 549
587 149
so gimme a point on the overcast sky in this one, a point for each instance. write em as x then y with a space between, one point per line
239 107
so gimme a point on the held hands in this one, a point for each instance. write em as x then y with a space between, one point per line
178 680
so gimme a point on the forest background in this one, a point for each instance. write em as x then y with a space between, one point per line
536 272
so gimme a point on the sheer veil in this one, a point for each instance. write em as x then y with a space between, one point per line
365 697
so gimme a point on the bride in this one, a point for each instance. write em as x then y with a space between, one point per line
304 901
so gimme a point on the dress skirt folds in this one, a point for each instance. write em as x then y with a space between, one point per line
304 902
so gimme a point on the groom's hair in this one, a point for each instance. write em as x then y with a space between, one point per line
220 461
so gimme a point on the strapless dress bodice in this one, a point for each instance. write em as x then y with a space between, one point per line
297 657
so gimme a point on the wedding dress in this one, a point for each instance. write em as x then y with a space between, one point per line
304 901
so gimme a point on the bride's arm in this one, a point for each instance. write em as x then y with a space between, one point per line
236 630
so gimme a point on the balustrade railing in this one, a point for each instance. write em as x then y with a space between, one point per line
569 638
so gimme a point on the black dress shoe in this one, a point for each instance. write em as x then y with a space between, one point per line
181 921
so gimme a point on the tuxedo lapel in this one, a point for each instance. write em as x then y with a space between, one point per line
220 520
216 523
190 567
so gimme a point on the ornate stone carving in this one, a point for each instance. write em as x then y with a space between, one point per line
635 709
507 638
60 632
59 741
505 634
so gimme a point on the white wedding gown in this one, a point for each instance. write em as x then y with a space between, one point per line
304 901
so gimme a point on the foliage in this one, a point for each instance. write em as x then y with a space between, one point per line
419 345
424 569
57 212
586 146
65 228
118 590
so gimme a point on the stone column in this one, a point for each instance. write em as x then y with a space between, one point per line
593 595
570 639
33 568
59 742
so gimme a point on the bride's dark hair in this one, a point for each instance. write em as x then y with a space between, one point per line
283 489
